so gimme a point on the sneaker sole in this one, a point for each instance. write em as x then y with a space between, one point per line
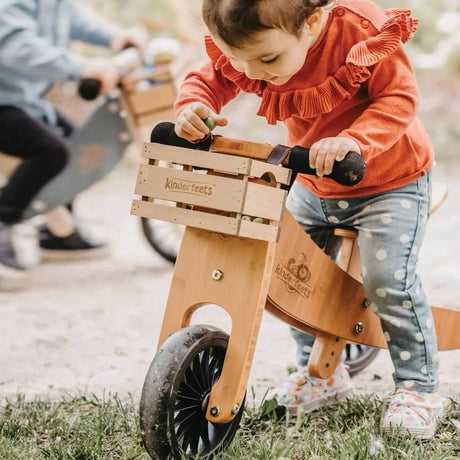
53 255
422 433
321 402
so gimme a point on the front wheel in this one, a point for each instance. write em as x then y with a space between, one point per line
176 392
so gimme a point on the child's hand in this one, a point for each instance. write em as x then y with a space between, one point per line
103 70
325 152
190 124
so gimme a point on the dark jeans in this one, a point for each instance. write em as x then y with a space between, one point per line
44 151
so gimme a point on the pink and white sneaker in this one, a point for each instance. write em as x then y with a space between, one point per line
301 390
414 412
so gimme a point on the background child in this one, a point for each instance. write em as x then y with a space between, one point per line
337 76
34 54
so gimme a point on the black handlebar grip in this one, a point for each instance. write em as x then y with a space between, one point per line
163 133
350 171
89 88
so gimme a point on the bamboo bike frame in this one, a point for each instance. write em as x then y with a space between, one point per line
243 251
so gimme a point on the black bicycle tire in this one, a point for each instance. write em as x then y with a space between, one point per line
365 356
156 243
160 398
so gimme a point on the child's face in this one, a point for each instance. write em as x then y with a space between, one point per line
273 55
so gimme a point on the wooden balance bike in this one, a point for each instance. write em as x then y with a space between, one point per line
244 252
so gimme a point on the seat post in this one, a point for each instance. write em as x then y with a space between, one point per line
327 348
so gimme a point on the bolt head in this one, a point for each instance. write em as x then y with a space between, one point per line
366 303
217 275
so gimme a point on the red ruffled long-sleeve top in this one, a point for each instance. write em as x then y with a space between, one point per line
356 82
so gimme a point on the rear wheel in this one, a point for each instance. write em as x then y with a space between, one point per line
357 357
176 392
164 237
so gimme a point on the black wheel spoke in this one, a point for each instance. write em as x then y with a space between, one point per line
189 389
193 383
206 357
198 370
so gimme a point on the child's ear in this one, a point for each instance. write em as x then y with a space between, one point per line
314 21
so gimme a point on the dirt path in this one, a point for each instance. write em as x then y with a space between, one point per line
93 326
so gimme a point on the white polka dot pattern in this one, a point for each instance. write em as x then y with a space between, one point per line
404 355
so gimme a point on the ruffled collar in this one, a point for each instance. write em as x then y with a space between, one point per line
343 84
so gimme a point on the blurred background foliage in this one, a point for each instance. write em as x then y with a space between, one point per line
434 51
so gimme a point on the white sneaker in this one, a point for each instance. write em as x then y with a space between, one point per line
301 390
415 413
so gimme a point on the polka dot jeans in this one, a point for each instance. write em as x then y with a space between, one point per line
391 226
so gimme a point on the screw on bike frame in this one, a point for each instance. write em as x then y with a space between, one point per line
217 275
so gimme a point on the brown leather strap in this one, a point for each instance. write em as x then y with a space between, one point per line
278 154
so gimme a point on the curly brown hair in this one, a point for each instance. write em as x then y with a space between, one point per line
236 21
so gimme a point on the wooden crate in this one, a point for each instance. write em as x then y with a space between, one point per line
214 191
149 98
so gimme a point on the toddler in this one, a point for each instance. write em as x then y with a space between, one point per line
336 74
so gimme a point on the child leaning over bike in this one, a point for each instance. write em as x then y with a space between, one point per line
336 74
34 54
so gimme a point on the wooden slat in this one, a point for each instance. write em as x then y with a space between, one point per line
281 175
157 97
258 231
198 158
217 161
223 193
198 219
264 201
203 220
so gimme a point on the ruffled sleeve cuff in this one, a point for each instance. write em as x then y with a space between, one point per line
400 27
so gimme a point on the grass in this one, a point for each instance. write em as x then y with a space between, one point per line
90 428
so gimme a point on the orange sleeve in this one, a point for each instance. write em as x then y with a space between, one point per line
208 86
393 91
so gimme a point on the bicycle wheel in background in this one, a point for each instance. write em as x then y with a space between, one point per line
357 357
164 237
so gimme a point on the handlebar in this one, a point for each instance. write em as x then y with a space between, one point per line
89 88
350 171
158 50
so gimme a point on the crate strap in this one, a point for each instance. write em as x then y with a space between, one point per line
278 154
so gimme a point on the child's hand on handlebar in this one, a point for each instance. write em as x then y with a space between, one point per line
103 70
190 124
326 151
